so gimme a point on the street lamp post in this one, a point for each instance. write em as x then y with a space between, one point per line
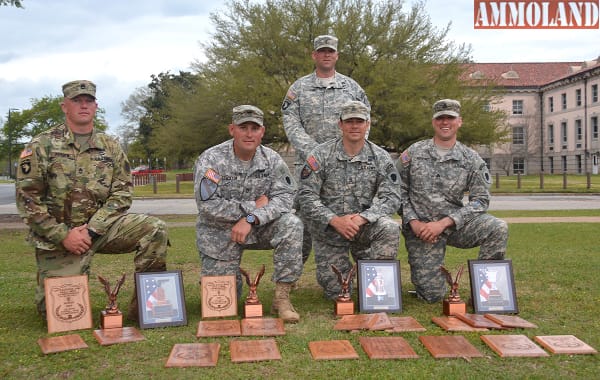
10 132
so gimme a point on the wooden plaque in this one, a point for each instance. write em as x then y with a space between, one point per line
404 324
229 327
454 324
332 350
478 320
219 296
106 337
262 327
343 308
564 344
253 310
353 322
510 321
61 343
254 350
450 347
513 345
194 355
387 347
379 321
67 303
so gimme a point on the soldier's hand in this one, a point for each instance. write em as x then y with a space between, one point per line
345 226
240 231
262 201
78 240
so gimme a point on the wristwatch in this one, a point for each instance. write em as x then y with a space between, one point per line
250 218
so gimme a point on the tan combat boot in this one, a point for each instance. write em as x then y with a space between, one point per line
282 304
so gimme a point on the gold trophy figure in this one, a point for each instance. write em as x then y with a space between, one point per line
344 304
453 304
252 306
111 317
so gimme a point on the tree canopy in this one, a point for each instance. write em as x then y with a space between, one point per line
258 49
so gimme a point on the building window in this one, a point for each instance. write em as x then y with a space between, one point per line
551 136
518 135
551 162
578 132
551 104
579 165
518 166
563 101
564 163
517 107
563 134
594 122
578 97
594 93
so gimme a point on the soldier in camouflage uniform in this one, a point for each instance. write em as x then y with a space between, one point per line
311 107
436 174
349 187
73 190
244 192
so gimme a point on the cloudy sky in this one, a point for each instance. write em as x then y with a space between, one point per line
120 44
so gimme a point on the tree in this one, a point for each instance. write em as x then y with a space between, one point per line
259 49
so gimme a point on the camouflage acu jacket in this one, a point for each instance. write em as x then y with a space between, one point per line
61 185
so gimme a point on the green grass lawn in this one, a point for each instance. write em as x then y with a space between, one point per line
555 269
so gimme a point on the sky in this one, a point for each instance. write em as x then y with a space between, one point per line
120 44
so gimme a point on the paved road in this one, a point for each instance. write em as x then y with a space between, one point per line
498 202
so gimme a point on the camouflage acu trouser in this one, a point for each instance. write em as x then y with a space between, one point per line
283 235
146 235
484 230
376 241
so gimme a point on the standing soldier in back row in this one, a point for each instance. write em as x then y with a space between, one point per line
73 191
311 108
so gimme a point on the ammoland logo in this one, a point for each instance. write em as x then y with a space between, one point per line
534 14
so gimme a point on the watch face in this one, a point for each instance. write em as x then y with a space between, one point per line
250 219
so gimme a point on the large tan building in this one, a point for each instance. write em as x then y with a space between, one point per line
553 111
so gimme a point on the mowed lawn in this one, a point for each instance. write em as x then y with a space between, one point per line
556 275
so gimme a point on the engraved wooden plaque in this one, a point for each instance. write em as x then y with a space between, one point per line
332 350
510 321
194 355
262 327
387 347
219 296
453 308
478 320
353 322
61 343
454 324
111 320
564 344
405 324
253 310
343 308
219 328
106 337
254 350
450 347
513 345
67 303
379 321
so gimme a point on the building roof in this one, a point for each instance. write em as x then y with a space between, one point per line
519 74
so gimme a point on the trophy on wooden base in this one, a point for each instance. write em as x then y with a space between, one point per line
453 304
252 306
111 317
344 304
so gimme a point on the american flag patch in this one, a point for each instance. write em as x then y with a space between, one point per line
312 162
26 153
212 175
290 95
404 157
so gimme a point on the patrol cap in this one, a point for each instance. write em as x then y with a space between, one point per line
79 87
244 113
354 109
448 107
326 41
